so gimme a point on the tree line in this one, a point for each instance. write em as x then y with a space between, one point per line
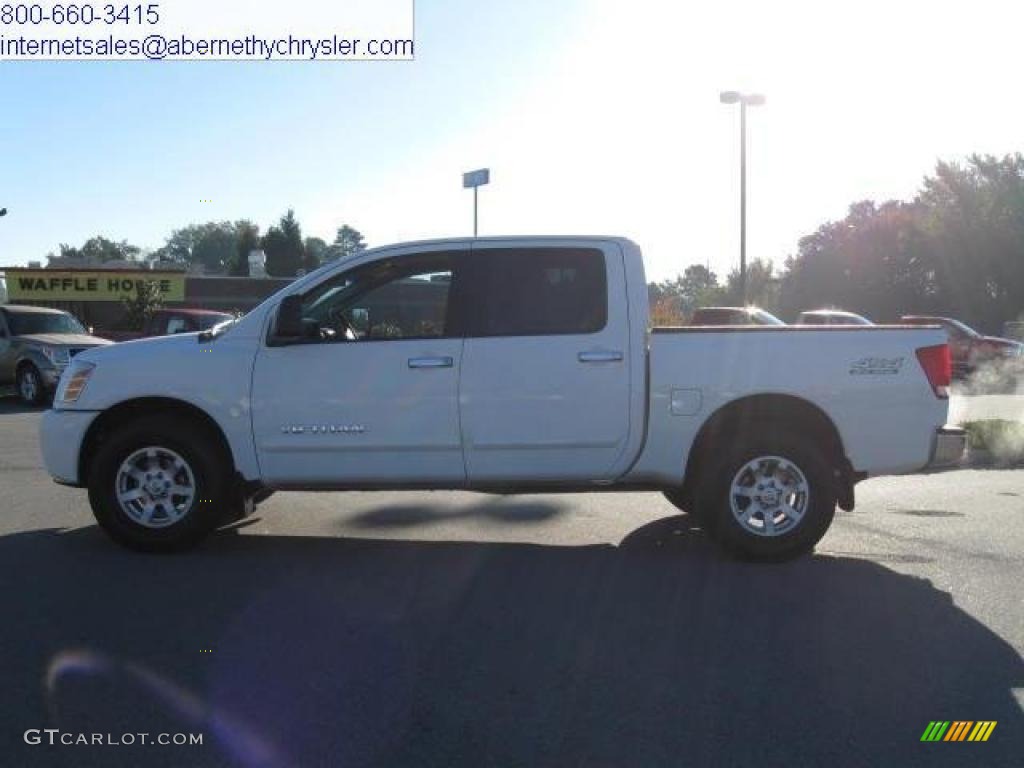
956 249
223 247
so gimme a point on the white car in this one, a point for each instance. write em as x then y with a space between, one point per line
513 364
831 317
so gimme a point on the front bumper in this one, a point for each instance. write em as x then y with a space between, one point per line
60 437
948 446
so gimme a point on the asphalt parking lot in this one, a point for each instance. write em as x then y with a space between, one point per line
456 629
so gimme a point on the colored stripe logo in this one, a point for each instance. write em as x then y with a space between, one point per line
958 730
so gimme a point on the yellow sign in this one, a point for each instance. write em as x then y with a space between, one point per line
107 285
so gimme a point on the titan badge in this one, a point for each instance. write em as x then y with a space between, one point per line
324 429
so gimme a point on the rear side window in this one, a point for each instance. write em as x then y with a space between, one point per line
539 291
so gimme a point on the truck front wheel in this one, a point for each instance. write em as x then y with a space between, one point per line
160 484
30 385
768 500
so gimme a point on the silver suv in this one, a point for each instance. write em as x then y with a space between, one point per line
36 344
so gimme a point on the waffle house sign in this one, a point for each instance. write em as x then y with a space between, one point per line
53 285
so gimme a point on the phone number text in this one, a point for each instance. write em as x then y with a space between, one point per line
84 15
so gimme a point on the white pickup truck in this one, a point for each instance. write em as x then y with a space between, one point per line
500 364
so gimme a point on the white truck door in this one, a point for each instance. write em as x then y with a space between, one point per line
373 396
545 373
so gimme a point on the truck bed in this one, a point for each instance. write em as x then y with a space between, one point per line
867 379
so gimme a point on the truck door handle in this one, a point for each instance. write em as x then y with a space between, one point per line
431 362
600 357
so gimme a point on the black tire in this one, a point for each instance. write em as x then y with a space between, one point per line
678 499
30 385
213 501
736 538
684 503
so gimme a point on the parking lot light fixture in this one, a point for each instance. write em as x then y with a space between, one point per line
744 100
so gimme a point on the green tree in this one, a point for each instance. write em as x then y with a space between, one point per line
139 308
248 240
875 261
213 245
955 249
100 249
284 247
677 298
347 241
316 249
762 286
973 217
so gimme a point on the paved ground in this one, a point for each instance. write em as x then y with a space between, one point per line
454 629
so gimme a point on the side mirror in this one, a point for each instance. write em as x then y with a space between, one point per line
289 318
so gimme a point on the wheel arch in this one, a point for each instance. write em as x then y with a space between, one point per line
27 361
128 410
768 411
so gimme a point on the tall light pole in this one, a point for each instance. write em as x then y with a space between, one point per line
744 100
474 180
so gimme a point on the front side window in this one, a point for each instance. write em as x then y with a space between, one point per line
539 291
405 298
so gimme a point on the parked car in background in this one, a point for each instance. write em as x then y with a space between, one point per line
1014 329
970 349
36 345
831 317
177 435
166 322
733 316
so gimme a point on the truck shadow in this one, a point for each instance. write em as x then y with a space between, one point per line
14 405
500 509
351 652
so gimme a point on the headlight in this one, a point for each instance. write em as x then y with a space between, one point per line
58 356
73 382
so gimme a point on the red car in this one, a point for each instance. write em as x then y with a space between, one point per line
968 348
165 322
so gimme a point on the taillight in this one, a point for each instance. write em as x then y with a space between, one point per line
938 367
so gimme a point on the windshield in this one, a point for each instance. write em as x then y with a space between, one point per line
957 327
206 322
25 323
761 317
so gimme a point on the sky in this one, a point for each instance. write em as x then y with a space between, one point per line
594 116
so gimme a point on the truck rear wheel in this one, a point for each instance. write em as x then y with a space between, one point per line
160 484
678 499
769 499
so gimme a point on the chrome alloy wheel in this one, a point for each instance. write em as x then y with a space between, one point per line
769 496
155 487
